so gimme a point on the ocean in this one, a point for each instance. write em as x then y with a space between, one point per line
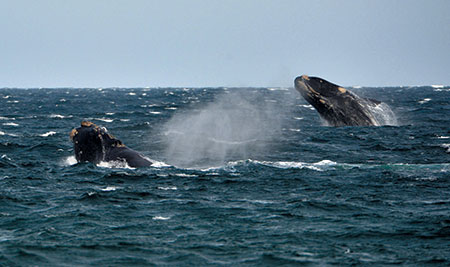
240 176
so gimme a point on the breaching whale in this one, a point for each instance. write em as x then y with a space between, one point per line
94 144
335 104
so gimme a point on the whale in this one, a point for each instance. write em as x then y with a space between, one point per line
336 105
94 144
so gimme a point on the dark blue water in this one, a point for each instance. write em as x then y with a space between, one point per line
244 176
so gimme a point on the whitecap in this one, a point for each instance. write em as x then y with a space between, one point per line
161 218
291 164
109 188
110 113
104 119
10 124
437 86
443 137
48 134
306 106
318 166
57 116
5 118
298 118
124 120
295 130
4 156
326 162
10 134
131 93
442 90
171 108
425 100
165 188
185 175
155 112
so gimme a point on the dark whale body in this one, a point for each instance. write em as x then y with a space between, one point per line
335 104
95 144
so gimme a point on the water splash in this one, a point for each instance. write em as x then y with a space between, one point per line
383 115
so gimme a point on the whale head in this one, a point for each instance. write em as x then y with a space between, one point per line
91 142
335 104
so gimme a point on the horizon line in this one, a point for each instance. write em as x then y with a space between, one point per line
204 87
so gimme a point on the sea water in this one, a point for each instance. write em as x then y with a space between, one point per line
241 176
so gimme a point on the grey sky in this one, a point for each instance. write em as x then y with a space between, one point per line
135 43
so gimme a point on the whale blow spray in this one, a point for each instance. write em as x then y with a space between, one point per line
234 126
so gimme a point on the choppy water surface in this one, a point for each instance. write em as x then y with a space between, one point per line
244 176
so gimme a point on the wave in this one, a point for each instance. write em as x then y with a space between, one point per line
11 124
48 134
6 118
317 166
109 188
232 165
9 134
236 165
307 106
161 218
442 90
326 165
104 119
58 116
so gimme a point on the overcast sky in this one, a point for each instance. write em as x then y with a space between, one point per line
133 43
